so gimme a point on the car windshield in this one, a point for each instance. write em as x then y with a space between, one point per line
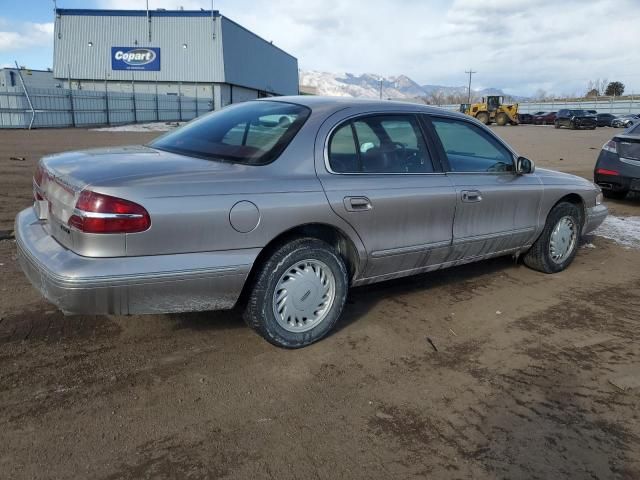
578 112
252 133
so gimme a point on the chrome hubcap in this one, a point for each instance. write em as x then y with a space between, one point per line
563 239
304 295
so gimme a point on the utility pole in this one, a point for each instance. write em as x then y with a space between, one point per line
470 72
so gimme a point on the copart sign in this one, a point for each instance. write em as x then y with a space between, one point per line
135 58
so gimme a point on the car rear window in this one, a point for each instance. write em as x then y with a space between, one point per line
635 129
252 133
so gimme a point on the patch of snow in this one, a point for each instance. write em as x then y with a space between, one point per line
141 127
622 230
588 245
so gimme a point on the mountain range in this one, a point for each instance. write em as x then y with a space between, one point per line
367 85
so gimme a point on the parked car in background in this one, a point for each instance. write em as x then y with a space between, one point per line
625 121
575 119
545 118
592 112
605 119
525 118
617 170
538 113
291 213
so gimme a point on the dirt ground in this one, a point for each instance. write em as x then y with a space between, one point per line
488 370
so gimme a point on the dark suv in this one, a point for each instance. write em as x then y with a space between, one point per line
575 119
617 170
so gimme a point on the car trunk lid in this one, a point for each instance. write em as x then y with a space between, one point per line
63 177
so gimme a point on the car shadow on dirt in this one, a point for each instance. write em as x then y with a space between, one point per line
459 281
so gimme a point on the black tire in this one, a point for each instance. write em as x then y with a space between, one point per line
483 117
538 257
615 195
572 126
592 128
502 119
259 313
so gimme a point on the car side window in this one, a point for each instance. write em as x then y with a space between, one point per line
469 149
379 144
343 156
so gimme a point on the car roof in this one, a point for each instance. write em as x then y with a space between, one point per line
340 103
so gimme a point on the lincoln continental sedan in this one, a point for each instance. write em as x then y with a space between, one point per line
280 205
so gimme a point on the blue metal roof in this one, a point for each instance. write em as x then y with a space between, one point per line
135 13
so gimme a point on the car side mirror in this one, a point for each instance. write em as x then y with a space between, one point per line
524 166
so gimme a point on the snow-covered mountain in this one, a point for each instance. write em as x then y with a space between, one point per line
368 85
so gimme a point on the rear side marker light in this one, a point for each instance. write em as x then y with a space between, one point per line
611 146
99 213
604 171
38 178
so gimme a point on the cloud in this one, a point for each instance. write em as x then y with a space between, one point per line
24 35
153 4
518 45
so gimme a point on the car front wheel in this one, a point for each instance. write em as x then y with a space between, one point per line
298 294
556 247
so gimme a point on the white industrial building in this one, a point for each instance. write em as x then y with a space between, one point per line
180 52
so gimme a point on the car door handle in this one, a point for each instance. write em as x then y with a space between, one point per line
357 204
471 196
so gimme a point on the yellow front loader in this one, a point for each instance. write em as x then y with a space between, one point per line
493 110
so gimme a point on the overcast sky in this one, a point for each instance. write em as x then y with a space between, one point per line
517 45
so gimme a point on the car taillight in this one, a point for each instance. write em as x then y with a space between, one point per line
99 213
604 171
611 146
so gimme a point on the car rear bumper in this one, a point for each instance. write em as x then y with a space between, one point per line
617 183
594 218
129 285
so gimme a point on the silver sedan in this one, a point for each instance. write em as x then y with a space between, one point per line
282 204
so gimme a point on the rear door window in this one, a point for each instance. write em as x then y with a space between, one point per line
469 149
380 144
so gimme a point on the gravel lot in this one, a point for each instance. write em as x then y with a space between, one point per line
534 376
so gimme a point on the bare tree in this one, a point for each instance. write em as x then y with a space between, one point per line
540 95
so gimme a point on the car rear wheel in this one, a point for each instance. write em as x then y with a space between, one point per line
298 294
615 195
483 117
556 247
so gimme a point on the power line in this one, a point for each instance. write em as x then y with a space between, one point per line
470 72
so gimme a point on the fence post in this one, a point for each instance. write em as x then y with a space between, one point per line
180 99
26 94
157 109
133 99
73 112
197 100
106 101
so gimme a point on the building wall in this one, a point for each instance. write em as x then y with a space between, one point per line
217 50
32 78
200 61
252 62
